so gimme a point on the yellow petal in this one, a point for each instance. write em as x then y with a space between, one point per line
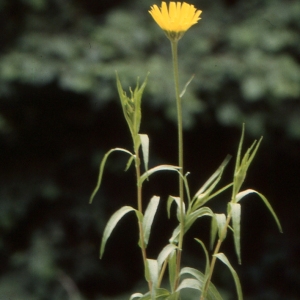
177 19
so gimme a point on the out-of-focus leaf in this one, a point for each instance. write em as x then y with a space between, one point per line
135 295
186 85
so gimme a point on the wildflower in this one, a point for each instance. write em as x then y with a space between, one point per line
177 20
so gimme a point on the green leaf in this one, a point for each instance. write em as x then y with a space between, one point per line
189 283
242 194
161 294
206 256
221 222
235 209
112 222
127 105
152 275
238 158
213 232
164 254
149 216
222 257
202 195
191 218
132 107
213 177
242 165
186 185
212 293
172 266
189 221
186 85
156 169
145 148
130 160
101 169
177 200
135 295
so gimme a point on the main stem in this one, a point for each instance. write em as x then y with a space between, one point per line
174 45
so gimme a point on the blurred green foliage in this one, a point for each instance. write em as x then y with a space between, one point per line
245 59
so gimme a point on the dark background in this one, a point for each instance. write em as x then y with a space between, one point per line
60 112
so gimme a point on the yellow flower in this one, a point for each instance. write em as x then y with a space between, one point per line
177 20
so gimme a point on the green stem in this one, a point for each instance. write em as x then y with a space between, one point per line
214 258
218 246
140 209
174 44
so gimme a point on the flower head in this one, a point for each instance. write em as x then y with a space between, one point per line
176 20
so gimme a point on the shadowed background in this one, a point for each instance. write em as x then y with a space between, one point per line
60 112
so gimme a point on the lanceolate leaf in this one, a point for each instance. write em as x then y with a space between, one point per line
149 216
156 169
242 164
130 160
189 283
152 274
203 193
242 194
102 165
189 221
113 221
191 218
172 269
177 200
236 221
222 257
206 256
213 232
221 221
165 252
145 148
212 293
238 158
